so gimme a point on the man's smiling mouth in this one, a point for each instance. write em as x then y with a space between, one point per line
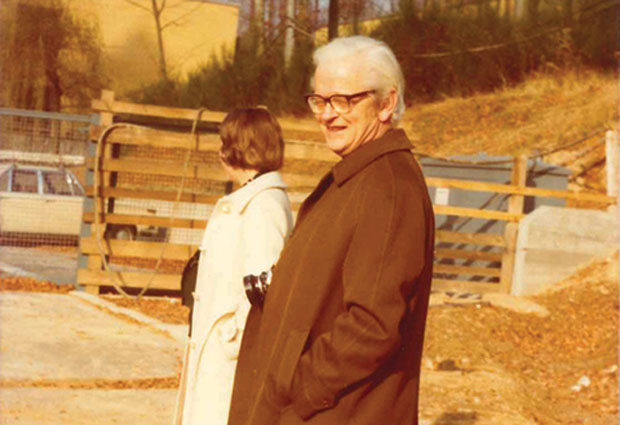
335 127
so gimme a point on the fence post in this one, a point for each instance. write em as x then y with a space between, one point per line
515 205
611 165
105 119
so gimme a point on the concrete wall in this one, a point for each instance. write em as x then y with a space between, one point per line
553 242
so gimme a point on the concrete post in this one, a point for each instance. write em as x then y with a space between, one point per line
611 166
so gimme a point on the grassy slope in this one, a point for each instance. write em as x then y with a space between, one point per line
544 112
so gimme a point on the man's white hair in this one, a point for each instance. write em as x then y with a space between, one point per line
376 56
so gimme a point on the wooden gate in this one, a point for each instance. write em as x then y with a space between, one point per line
145 166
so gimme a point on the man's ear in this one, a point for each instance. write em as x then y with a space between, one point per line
387 106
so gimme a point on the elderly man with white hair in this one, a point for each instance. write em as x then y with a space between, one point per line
338 339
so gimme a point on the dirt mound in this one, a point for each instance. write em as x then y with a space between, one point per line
558 369
165 309
13 283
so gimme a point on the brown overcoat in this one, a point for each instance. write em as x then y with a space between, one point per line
339 339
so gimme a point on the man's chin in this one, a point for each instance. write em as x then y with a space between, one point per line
336 145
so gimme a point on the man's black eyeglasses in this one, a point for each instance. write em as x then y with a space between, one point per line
341 103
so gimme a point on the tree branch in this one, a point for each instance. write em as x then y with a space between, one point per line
138 5
176 20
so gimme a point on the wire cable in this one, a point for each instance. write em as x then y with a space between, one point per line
509 161
116 280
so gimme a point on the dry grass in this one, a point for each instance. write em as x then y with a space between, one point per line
539 359
545 112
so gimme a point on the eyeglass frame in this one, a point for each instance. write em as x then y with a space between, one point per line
328 100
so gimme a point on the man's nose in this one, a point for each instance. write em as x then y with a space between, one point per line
328 113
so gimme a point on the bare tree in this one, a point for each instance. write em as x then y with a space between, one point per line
157 9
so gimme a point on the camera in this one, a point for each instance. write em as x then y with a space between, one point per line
256 287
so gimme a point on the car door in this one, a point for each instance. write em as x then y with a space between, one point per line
22 207
63 202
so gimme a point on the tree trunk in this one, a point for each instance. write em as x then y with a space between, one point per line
271 15
332 26
315 15
568 12
259 23
52 92
532 11
289 35
509 9
356 16
50 47
483 8
519 9
160 41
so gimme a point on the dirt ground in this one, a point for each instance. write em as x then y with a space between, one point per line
487 362
555 369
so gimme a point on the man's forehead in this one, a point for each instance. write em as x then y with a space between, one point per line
342 75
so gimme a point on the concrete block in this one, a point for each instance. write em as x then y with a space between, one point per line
553 242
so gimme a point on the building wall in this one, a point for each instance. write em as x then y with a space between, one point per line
196 31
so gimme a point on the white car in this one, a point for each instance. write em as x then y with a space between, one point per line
40 204
42 201
43 205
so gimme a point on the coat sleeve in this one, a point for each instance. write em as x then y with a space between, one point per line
386 254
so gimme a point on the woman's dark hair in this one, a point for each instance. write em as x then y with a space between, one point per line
252 139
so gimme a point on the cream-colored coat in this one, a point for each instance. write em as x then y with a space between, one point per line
244 235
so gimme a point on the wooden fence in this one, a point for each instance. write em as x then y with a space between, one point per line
488 258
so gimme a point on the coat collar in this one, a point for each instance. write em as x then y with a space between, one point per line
393 140
241 197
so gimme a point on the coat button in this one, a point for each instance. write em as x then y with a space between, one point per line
225 209
196 296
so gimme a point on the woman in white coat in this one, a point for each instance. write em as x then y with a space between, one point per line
245 234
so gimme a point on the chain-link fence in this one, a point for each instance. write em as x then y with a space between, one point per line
42 172
44 132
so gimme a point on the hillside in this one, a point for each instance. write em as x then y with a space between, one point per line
545 112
